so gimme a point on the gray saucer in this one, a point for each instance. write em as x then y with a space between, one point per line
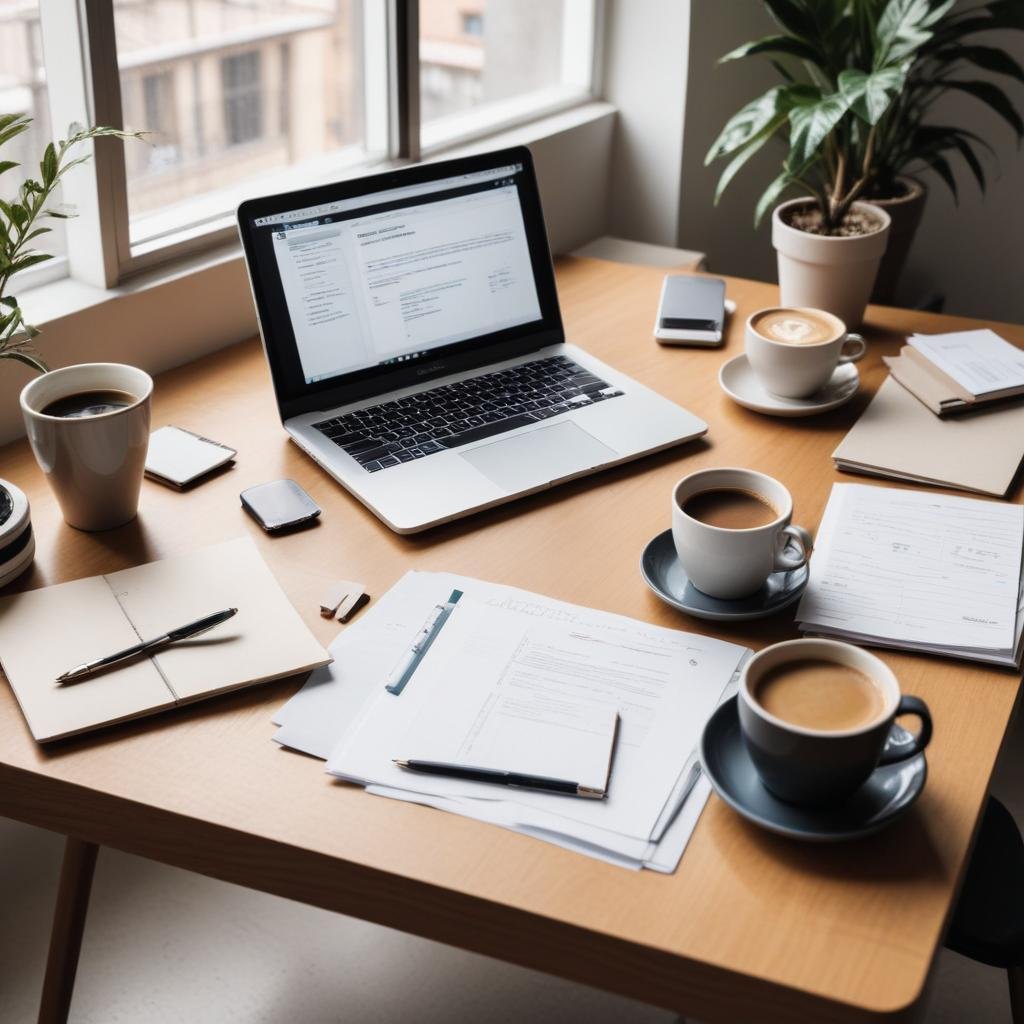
887 795
662 572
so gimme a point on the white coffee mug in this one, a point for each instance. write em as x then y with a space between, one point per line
94 464
727 563
799 370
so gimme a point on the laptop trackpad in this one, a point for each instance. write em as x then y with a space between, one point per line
550 453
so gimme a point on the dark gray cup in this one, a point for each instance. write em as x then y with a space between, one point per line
808 766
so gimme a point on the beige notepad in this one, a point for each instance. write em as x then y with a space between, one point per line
45 632
898 437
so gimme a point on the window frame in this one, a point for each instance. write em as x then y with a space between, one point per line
80 57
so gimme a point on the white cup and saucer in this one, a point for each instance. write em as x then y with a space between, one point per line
732 552
798 362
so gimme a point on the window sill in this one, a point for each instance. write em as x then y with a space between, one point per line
58 300
186 308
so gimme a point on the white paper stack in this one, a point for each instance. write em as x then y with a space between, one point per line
506 659
924 572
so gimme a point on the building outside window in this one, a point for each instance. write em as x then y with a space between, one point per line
243 98
246 97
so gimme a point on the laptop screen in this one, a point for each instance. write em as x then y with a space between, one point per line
367 284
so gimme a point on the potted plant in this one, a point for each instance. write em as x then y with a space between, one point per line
858 80
19 227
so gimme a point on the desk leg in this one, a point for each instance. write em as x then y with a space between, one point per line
68 925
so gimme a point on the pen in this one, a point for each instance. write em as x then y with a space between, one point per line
173 636
500 778
402 672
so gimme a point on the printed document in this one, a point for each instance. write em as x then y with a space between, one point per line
917 569
663 684
333 709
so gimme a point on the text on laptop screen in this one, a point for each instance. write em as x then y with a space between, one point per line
388 277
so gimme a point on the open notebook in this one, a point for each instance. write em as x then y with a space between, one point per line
44 632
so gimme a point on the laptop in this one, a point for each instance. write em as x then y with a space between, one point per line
411 324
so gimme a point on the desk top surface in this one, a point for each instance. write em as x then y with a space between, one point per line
748 921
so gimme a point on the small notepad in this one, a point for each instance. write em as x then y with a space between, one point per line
179 458
45 632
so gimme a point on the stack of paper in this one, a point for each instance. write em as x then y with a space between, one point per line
918 571
961 371
509 668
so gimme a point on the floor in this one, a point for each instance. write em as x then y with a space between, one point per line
164 946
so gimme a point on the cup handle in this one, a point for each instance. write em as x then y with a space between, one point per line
860 346
894 752
786 559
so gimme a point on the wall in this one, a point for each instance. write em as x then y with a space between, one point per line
646 49
971 255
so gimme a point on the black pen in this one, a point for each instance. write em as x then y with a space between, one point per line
500 778
171 637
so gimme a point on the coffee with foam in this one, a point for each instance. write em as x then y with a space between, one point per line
795 327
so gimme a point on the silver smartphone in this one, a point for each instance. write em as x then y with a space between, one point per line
279 505
691 311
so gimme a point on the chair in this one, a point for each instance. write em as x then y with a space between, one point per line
988 921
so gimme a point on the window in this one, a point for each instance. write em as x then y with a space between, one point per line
247 97
243 98
23 90
488 60
255 89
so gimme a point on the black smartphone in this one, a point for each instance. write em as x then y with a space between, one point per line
279 505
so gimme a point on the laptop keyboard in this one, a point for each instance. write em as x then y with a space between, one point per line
452 415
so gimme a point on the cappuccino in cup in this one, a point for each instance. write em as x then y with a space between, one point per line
795 326
794 351
817 719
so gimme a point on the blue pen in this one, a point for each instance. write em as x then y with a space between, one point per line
402 672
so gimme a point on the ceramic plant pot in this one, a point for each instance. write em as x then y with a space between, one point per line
905 213
834 273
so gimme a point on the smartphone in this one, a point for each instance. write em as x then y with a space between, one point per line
691 311
279 505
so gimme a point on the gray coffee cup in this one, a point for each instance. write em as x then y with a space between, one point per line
817 767
94 464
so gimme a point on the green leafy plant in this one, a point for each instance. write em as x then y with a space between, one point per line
19 228
858 80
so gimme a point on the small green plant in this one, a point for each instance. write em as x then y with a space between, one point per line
859 79
18 227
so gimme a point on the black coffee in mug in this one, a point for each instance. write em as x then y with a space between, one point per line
83 404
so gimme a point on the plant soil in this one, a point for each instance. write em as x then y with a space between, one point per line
809 219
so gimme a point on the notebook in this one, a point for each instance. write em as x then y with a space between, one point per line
898 437
959 372
179 458
45 632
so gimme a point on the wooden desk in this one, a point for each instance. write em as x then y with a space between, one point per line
750 927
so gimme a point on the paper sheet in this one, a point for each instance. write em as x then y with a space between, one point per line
979 361
516 715
915 568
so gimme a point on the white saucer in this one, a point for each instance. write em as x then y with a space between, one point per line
739 383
